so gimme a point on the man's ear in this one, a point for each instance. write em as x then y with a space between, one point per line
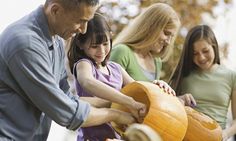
55 9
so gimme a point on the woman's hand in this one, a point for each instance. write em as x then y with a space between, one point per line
163 85
188 100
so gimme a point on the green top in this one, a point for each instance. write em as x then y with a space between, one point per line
124 55
212 91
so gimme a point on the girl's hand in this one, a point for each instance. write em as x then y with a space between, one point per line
138 110
224 136
188 100
163 85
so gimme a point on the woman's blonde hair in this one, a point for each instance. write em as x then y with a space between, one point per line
145 29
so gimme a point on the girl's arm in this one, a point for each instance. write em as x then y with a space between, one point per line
229 132
126 78
97 102
99 89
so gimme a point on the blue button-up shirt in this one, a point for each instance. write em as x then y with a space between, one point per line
33 82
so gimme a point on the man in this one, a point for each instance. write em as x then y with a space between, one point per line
33 85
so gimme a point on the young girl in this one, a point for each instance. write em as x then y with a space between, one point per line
96 76
200 76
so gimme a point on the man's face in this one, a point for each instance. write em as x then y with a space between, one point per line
68 23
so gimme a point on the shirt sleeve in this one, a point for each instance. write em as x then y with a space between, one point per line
233 77
31 71
120 54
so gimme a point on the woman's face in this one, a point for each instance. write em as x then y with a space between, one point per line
203 54
98 52
164 40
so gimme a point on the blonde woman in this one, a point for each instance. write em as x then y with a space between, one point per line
142 45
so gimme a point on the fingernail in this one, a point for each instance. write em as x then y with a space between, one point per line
193 105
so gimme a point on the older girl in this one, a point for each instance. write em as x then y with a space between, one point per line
200 77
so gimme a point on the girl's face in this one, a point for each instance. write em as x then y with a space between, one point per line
164 40
203 55
98 52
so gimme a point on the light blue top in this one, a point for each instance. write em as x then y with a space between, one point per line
212 91
33 82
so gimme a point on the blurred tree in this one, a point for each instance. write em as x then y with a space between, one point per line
121 12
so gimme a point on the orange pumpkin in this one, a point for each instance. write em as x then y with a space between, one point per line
201 127
166 115
139 132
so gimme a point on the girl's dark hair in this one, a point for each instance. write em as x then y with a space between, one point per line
98 32
186 64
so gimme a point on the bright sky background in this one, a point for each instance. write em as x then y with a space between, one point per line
11 10
225 30
224 27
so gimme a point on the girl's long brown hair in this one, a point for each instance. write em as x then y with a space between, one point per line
98 32
186 64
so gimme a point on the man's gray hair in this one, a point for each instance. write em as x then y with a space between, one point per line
72 4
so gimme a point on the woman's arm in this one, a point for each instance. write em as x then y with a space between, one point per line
228 132
126 78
